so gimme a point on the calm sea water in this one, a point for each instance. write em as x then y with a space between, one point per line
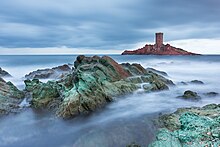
128 119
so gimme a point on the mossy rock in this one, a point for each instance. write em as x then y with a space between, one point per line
197 127
42 93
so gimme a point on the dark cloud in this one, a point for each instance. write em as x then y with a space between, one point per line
104 24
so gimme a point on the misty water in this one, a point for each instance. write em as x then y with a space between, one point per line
128 119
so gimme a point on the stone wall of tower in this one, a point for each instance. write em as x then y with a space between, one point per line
159 40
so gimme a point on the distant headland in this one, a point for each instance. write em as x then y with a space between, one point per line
158 49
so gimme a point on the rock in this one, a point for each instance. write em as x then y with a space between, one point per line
192 82
157 82
158 49
96 81
190 127
190 95
183 83
196 82
4 73
93 83
162 73
43 94
211 94
54 73
7 89
165 138
10 97
133 145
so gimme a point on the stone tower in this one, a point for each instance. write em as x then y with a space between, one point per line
159 40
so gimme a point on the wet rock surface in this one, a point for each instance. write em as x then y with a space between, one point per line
190 127
10 97
43 94
93 83
190 95
162 73
4 73
194 82
53 73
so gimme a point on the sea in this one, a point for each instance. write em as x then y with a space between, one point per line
129 119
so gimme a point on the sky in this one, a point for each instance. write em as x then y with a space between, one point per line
107 26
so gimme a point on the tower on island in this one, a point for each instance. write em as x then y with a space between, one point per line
159 39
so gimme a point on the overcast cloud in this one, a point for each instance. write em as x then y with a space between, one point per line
106 25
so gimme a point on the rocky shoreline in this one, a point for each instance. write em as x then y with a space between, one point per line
93 82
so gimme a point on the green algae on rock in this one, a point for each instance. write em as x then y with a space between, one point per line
42 93
93 83
190 127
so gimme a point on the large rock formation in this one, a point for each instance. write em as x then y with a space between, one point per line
158 49
10 97
53 73
94 82
190 127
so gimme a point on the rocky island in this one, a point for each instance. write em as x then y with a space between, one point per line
158 49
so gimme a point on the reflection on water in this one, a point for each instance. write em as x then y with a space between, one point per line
128 119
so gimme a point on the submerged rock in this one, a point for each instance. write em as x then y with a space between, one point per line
190 95
4 73
183 83
211 94
196 82
54 73
10 97
190 127
93 83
